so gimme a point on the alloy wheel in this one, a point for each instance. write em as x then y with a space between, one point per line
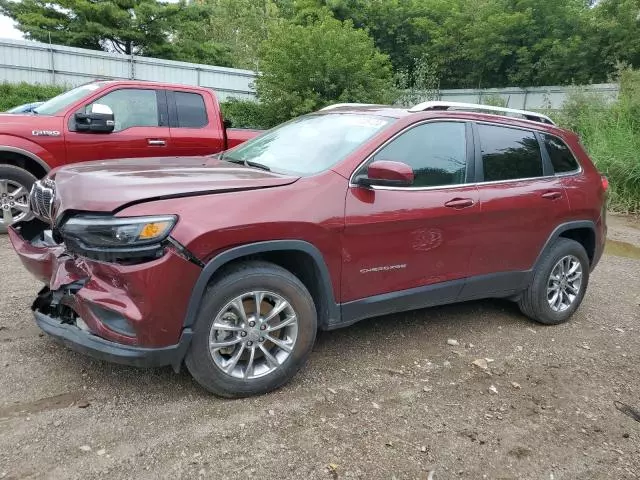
14 202
253 334
564 283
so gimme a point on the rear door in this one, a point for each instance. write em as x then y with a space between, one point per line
141 128
398 238
195 126
521 201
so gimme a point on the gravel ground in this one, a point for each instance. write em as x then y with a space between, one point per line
386 398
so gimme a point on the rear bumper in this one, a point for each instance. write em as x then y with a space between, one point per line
84 342
601 239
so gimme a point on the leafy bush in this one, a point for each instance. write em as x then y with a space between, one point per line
611 134
247 114
305 67
12 95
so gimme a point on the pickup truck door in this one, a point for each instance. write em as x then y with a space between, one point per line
141 128
195 124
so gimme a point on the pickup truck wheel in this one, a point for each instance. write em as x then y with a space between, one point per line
559 284
255 329
15 185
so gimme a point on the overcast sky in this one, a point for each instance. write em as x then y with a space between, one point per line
7 28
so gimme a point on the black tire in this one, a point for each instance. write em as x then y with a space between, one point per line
534 303
17 175
246 277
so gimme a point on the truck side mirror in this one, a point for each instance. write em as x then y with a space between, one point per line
99 120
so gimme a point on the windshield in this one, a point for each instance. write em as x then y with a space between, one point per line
62 101
310 144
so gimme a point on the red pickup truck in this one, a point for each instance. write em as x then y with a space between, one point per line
104 120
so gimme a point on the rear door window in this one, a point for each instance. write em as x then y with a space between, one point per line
509 153
190 110
561 157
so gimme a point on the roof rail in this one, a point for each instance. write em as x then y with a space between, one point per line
338 105
442 105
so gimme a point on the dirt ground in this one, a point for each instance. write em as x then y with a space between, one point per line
386 398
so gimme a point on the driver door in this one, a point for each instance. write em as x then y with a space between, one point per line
400 238
141 127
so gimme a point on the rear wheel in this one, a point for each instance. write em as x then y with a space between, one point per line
15 185
254 331
559 284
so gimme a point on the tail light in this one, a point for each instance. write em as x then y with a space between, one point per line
605 183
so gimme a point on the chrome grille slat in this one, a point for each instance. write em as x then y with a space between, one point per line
41 199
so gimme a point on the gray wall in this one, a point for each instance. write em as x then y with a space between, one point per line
32 62
532 98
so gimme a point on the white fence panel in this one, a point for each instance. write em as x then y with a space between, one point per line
33 62
532 98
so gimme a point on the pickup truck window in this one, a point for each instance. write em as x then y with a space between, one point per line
62 101
132 107
310 144
191 110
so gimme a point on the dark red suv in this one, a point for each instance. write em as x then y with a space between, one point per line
231 263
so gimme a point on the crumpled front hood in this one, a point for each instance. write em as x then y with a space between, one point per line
106 186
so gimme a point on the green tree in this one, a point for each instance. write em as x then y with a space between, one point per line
190 38
142 27
615 32
305 67
240 25
125 26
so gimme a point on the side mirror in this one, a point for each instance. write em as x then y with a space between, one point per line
99 120
387 174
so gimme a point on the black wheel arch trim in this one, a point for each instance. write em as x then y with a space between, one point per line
25 153
231 254
559 230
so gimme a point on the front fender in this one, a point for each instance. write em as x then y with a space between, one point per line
28 148
227 256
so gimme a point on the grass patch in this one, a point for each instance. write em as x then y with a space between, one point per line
610 133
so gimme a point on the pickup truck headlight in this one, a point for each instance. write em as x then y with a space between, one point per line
114 238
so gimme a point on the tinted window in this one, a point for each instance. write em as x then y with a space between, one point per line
437 152
131 107
191 110
509 154
561 157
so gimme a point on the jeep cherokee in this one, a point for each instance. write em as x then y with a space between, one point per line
231 263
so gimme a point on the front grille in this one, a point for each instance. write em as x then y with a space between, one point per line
41 199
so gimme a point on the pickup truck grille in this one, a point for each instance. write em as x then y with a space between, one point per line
41 199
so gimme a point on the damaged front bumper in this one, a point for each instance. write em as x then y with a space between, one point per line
85 342
130 314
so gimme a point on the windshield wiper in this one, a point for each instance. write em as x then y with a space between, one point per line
247 163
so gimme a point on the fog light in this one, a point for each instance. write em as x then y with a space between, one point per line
114 321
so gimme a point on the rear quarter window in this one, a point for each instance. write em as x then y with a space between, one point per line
561 157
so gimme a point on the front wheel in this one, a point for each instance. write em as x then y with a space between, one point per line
559 283
15 185
255 330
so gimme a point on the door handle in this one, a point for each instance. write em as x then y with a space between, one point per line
156 142
551 195
459 203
